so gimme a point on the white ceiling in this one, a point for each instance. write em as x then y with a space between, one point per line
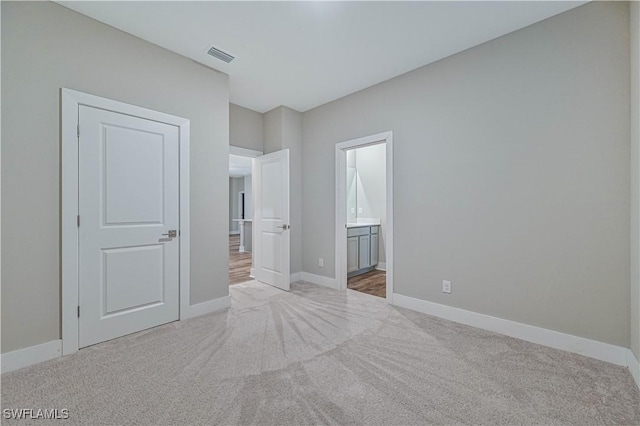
304 54
239 166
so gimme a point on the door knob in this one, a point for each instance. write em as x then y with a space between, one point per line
284 227
171 234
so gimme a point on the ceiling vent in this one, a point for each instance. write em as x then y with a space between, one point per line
217 53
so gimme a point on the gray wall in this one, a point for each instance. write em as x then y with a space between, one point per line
45 47
635 179
245 128
272 130
235 185
283 130
511 175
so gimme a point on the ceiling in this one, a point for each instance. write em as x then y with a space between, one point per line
239 166
304 54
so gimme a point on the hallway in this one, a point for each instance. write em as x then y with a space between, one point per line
239 263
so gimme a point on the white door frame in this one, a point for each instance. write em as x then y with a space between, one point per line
71 101
341 207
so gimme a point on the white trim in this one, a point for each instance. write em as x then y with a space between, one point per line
252 273
340 281
32 355
244 152
554 339
207 307
0 149
234 232
381 266
295 277
319 280
634 366
71 101
635 178
185 215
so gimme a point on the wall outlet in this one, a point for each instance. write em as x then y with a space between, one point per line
446 286
321 262
359 210
353 210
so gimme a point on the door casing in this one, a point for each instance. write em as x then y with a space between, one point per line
70 103
341 207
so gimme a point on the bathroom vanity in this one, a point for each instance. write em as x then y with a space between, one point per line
362 247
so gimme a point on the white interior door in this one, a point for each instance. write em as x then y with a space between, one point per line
271 219
128 203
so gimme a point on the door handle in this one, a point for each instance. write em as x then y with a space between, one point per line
284 227
171 234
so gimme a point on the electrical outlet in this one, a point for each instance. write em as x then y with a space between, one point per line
353 210
446 286
321 262
359 210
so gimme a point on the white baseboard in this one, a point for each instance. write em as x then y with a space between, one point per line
295 277
318 279
208 307
21 358
32 355
554 339
381 266
252 273
634 366
234 232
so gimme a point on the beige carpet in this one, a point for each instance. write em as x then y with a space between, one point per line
320 356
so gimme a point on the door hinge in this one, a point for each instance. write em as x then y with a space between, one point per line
78 128
78 221
78 311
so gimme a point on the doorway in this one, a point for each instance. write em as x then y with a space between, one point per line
364 230
125 219
241 214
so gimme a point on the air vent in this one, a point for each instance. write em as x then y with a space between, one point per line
217 53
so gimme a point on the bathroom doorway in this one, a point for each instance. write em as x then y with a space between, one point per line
364 215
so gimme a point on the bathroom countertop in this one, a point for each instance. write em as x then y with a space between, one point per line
368 222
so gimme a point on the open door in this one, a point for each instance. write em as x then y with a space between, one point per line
271 219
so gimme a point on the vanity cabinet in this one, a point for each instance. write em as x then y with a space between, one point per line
362 249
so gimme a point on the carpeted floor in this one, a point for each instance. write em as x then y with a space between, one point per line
320 356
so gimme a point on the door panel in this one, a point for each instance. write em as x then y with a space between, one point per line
364 244
352 254
271 219
133 194
128 198
133 277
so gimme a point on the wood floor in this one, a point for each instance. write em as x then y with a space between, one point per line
374 283
239 263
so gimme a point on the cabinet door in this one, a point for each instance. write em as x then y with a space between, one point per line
374 249
352 254
364 251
